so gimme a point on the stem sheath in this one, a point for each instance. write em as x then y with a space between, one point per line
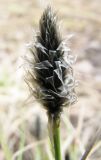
56 138
55 135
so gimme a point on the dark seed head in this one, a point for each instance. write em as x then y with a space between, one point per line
51 72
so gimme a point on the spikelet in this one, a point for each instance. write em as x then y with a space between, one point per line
50 73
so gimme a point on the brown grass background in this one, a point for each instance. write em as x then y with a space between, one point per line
20 115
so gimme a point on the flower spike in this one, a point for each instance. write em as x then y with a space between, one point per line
51 71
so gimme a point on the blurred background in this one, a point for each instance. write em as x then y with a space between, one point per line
23 122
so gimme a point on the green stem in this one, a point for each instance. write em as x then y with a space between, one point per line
56 138
55 133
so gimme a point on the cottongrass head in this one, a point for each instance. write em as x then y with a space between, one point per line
50 73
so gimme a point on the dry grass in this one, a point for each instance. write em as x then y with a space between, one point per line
23 127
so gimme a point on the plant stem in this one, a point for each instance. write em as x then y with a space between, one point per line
56 138
55 133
